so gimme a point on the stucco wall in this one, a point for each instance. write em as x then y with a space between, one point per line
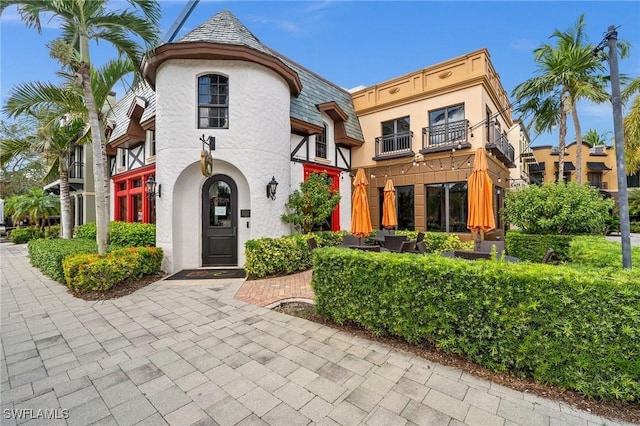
255 147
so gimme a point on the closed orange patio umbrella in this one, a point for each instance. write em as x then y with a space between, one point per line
480 196
360 217
389 215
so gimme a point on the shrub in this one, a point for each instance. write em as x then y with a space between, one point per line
47 255
24 235
52 231
122 234
557 208
276 256
94 272
577 329
312 204
596 251
532 247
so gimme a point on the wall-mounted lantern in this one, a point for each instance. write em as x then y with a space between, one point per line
271 188
153 189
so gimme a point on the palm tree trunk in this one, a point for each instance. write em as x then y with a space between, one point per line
576 126
562 136
65 205
100 179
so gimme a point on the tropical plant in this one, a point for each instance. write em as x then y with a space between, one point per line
36 205
25 170
55 143
567 72
593 138
631 125
312 204
81 22
554 208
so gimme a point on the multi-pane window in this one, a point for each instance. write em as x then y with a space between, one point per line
213 102
321 143
123 158
447 125
396 135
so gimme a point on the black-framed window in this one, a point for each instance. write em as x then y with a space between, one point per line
404 207
447 125
633 181
394 127
321 143
446 207
213 101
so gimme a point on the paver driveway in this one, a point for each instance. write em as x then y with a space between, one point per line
187 352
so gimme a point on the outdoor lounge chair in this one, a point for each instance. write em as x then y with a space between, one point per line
394 242
407 246
311 242
351 240
487 247
421 247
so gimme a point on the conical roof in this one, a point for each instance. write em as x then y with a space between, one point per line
225 28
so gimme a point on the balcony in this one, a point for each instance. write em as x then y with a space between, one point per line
599 184
500 147
76 179
394 146
445 137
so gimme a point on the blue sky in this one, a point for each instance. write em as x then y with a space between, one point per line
353 43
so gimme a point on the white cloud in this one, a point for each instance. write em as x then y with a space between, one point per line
283 25
47 21
595 110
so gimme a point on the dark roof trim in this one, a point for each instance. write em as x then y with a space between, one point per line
568 166
304 128
205 50
536 167
333 110
597 166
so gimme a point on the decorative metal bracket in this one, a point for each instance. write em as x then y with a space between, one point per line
210 142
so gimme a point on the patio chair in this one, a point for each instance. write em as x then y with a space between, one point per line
420 237
394 242
487 247
547 255
312 243
350 240
407 246
421 247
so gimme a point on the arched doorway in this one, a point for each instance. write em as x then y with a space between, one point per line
219 222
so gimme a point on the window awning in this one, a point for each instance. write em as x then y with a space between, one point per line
568 166
536 167
597 166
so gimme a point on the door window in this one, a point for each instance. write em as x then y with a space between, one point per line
220 204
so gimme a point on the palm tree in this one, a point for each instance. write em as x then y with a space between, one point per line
631 125
569 71
593 138
81 22
35 204
55 143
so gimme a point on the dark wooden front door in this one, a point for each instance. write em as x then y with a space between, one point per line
219 222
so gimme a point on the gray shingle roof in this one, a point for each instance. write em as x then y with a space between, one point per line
119 113
225 28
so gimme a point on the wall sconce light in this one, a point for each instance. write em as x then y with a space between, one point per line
271 188
152 187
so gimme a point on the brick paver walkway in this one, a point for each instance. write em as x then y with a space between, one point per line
268 291
189 353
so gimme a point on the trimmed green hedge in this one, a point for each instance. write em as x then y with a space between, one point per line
24 235
600 253
122 234
532 247
577 329
47 255
94 272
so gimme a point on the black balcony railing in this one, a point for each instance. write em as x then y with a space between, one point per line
442 135
499 144
396 144
599 184
76 170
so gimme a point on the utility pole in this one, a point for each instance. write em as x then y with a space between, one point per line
616 101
